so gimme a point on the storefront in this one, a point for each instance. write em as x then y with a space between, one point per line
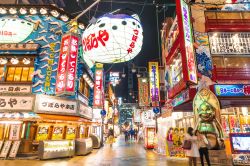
32 75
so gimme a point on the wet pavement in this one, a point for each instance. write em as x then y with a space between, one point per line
121 154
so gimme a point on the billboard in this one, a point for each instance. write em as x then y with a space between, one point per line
154 83
143 92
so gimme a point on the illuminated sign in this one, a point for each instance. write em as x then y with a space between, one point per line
113 38
114 77
154 83
187 50
143 93
14 30
66 72
232 43
232 90
49 68
181 98
98 88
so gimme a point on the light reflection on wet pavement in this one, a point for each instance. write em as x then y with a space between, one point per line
121 154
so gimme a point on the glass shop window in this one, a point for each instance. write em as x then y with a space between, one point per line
175 73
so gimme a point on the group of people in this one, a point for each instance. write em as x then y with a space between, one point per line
131 134
199 146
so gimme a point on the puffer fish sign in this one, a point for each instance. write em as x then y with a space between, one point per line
115 37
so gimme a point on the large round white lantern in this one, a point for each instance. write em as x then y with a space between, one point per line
113 38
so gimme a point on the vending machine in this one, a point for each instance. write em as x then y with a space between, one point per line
149 133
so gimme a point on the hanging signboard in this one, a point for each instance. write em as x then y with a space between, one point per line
186 40
85 111
143 93
16 103
15 89
22 29
98 88
229 43
154 83
55 105
181 98
66 73
5 149
14 132
232 90
14 149
114 77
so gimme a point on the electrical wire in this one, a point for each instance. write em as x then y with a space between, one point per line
143 7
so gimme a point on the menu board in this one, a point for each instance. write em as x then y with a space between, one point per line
14 149
57 133
234 124
245 123
225 124
14 132
71 133
6 148
42 133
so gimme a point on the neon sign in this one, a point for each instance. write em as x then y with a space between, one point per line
98 88
232 90
154 83
187 50
65 83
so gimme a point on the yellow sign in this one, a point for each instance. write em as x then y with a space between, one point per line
99 65
154 83
57 133
42 133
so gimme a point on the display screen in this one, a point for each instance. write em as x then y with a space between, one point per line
240 142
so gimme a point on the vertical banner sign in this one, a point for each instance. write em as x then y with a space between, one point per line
98 88
66 72
154 83
143 93
186 37
49 68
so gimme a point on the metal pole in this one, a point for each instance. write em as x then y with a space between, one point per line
102 131
83 12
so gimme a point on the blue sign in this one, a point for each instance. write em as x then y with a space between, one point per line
232 90
156 110
103 112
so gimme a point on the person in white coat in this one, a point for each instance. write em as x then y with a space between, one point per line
193 153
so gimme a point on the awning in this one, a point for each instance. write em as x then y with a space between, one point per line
19 116
66 118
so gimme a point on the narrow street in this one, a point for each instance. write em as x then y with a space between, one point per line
121 154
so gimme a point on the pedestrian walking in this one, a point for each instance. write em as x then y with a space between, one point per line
193 152
203 147
110 137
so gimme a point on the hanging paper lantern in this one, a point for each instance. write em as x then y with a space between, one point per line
113 38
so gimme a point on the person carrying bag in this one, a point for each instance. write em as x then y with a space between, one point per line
190 146
204 145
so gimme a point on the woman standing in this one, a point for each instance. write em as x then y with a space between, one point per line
193 153
203 142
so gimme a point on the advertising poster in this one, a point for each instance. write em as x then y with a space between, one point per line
232 90
71 133
57 133
178 137
14 132
42 133
225 124
234 124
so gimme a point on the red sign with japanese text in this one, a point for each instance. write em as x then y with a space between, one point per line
98 88
66 71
